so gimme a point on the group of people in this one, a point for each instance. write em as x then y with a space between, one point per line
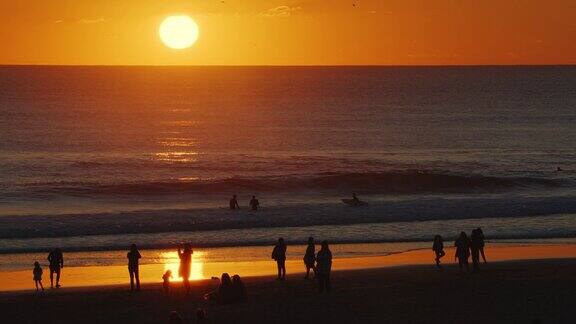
320 263
254 203
56 263
184 254
230 290
465 247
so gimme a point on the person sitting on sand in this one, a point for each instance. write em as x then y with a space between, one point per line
239 293
279 255
133 266
310 257
37 273
482 243
254 203
438 248
462 254
323 267
56 260
166 281
234 203
224 294
185 255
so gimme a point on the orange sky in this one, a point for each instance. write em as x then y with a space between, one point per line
274 32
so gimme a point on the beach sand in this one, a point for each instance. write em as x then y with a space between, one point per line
503 292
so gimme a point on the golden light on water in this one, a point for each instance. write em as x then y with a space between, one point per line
172 263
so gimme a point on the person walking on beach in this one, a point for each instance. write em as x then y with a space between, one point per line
56 261
475 246
279 255
462 254
323 267
482 243
254 203
310 257
133 266
438 248
234 203
185 255
37 273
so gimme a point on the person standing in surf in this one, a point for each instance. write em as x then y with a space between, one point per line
254 203
310 257
133 266
279 255
234 203
185 255
56 263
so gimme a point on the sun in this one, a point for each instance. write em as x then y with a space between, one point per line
178 32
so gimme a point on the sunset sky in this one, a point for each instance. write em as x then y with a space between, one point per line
284 32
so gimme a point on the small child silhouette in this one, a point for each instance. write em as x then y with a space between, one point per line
37 275
166 284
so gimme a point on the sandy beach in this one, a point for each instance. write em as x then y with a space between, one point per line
518 291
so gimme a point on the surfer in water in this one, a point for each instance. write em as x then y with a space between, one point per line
234 203
254 203
355 200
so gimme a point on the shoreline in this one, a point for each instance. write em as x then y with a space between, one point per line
503 292
202 269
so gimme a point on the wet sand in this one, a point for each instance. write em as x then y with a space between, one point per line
504 292
91 276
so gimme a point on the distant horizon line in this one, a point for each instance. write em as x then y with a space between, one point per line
292 65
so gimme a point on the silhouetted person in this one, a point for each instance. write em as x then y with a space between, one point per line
56 260
225 294
476 242
355 199
279 255
310 257
323 267
166 281
234 203
37 275
482 243
254 203
462 254
438 248
185 255
239 293
175 318
133 266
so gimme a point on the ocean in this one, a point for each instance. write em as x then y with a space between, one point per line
97 158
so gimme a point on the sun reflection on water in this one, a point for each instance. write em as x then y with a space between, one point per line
177 156
172 262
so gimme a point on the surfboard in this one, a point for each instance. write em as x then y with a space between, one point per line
355 203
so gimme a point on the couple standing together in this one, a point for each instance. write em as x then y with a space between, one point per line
320 263
184 254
